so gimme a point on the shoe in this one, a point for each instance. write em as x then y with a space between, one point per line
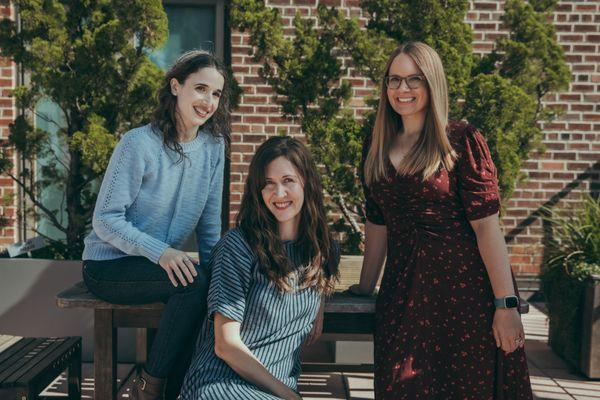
147 387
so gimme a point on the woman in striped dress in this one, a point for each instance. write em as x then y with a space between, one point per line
268 277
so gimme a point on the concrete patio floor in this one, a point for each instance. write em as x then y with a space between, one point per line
551 378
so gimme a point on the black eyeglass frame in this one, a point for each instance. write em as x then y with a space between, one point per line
412 86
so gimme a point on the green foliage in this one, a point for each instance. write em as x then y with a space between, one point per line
95 144
504 113
89 59
499 93
574 256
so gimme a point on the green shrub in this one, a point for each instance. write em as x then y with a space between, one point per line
573 256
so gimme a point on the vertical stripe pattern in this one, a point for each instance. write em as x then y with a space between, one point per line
273 324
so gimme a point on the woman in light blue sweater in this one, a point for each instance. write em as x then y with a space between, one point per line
164 181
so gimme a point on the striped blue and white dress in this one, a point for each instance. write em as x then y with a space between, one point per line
273 324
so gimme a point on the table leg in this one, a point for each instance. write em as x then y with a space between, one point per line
105 355
74 375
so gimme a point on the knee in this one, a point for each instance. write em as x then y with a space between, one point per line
200 284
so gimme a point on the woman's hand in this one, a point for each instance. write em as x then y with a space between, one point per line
508 329
317 328
178 264
357 290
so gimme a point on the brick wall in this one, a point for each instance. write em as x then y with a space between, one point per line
8 201
568 168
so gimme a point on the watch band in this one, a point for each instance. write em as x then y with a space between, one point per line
511 301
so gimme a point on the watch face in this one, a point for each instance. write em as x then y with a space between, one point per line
511 302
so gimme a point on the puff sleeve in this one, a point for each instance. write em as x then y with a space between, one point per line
477 177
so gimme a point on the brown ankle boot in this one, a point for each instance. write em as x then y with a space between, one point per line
147 387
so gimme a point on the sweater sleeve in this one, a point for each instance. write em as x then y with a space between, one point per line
120 187
208 229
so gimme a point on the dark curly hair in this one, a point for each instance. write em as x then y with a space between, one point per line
319 254
164 118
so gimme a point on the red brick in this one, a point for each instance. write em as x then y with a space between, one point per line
585 28
580 127
591 117
562 7
553 185
254 119
589 156
576 166
582 107
578 146
486 6
251 138
564 28
564 156
255 99
486 26
572 58
570 38
592 38
585 7
570 97
584 48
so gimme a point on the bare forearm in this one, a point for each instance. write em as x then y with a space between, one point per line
375 252
494 254
246 365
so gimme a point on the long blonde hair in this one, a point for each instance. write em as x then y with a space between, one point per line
433 147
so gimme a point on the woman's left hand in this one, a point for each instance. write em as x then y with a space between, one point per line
508 330
317 328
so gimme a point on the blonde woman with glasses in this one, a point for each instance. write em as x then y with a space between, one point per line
447 320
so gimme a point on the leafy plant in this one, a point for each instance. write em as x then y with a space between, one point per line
89 59
573 256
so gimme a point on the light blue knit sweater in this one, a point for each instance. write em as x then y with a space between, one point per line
149 202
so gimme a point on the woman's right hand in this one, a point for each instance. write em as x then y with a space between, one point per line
357 290
178 264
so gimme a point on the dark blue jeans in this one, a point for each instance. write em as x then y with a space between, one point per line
137 280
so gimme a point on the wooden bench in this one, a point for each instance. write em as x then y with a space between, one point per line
29 365
347 317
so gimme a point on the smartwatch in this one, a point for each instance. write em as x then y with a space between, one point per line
507 302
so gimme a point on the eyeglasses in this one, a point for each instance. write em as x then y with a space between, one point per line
412 81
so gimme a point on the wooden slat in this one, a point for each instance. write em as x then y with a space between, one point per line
6 341
19 359
78 296
14 353
38 355
43 372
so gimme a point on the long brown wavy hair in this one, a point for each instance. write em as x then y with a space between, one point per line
164 119
433 148
319 255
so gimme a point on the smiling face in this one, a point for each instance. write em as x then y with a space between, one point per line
283 195
197 98
404 100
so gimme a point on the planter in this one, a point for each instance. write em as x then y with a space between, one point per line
590 334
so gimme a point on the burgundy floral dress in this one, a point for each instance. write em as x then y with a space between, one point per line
435 309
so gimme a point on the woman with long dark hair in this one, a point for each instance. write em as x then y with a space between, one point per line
447 320
268 278
163 182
